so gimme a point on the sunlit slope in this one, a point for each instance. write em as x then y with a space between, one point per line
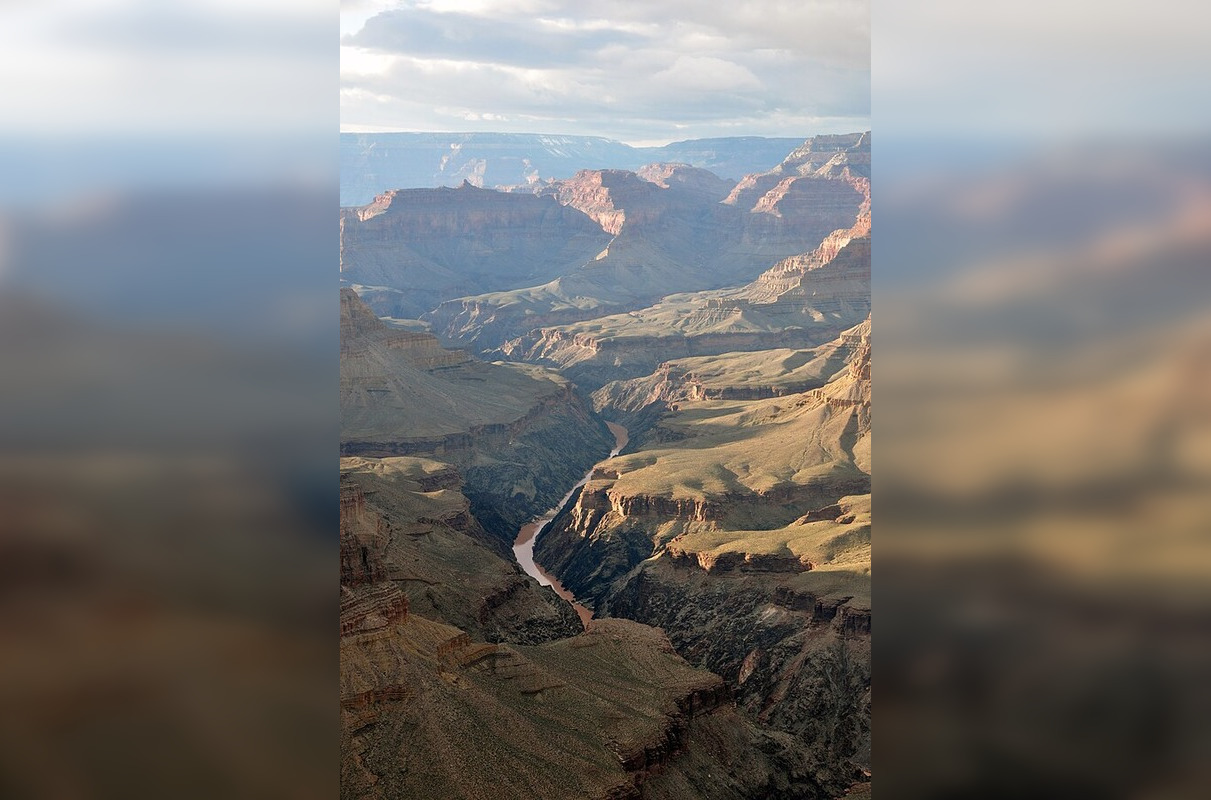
733 376
752 478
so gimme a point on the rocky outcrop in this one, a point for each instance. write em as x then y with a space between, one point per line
737 561
822 185
687 178
362 540
765 585
843 157
366 608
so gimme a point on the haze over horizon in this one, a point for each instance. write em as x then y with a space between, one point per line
637 143
641 74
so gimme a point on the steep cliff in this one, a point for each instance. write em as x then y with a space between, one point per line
519 435
838 156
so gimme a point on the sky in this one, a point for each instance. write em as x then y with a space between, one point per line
640 71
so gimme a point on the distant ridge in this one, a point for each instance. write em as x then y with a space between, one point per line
372 163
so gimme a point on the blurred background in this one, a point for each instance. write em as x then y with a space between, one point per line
1042 293
168 414
168 417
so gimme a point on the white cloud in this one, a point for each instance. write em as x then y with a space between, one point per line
621 68
705 74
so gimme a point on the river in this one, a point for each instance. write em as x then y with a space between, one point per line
523 546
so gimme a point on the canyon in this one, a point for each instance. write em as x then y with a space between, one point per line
372 163
605 527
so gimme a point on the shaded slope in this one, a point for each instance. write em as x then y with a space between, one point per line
405 522
518 434
410 249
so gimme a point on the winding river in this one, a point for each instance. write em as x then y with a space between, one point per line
523 546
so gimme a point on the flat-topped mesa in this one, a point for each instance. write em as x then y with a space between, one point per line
617 198
843 159
610 197
687 178
446 211
417 247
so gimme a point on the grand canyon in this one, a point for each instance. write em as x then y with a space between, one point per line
605 473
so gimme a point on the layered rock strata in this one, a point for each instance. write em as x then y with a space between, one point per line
742 528
671 233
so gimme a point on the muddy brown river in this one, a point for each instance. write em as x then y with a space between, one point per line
523 546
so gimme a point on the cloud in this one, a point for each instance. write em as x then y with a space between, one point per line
643 70
705 73
532 42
